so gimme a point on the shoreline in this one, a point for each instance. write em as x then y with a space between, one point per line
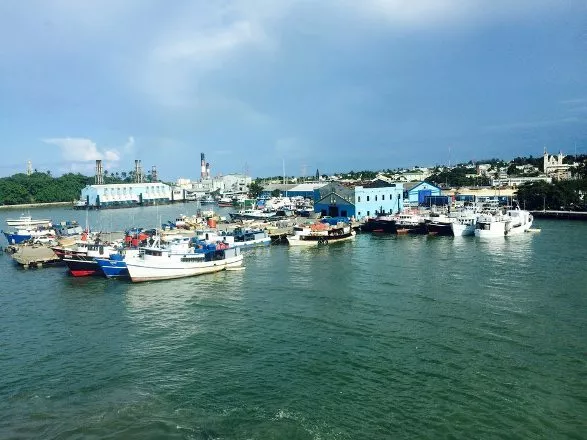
35 205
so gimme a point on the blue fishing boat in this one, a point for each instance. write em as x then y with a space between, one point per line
16 237
115 265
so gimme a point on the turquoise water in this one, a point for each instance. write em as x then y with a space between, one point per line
383 337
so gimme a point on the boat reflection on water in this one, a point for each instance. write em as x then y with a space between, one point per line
170 296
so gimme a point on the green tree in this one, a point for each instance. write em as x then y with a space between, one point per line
255 189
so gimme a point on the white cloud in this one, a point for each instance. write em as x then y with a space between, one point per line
85 150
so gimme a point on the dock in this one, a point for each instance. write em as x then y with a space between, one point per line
34 256
562 215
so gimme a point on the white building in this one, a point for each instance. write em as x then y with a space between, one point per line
236 183
554 166
125 194
517 181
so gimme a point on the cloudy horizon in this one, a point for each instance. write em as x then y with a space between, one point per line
253 84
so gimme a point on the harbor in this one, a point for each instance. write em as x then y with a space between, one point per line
383 318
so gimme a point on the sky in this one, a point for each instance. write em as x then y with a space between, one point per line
263 86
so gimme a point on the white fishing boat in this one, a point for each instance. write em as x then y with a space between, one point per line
252 214
500 224
240 237
27 221
316 235
464 226
182 258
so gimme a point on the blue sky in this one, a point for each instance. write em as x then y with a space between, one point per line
335 85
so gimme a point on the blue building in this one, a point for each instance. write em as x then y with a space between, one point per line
416 193
335 200
378 197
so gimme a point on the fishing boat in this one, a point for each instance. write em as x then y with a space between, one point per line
240 237
27 221
410 223
83 265
381 223
207 200
252 214
225 202
183 258
115 265
34 234
464 226
320 234
501 224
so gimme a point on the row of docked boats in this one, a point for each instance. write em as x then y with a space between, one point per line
148 255
144 255
481 223
25 229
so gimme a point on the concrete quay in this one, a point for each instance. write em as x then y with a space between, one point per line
562 215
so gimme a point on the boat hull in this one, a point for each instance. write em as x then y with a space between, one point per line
441 229
82 267
140 271
113 268
304 241
461 230
16 238
374 225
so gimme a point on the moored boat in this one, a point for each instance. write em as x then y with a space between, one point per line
115 265
181 260
500 224
320 234
35 234
83 265
240 237
27 221
464 226
382 223
252 214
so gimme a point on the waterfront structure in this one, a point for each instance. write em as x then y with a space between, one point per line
335 200
125 194
378 197
415 193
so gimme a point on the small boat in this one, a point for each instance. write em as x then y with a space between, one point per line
207 200
27 221
181 259
320 234
225 202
